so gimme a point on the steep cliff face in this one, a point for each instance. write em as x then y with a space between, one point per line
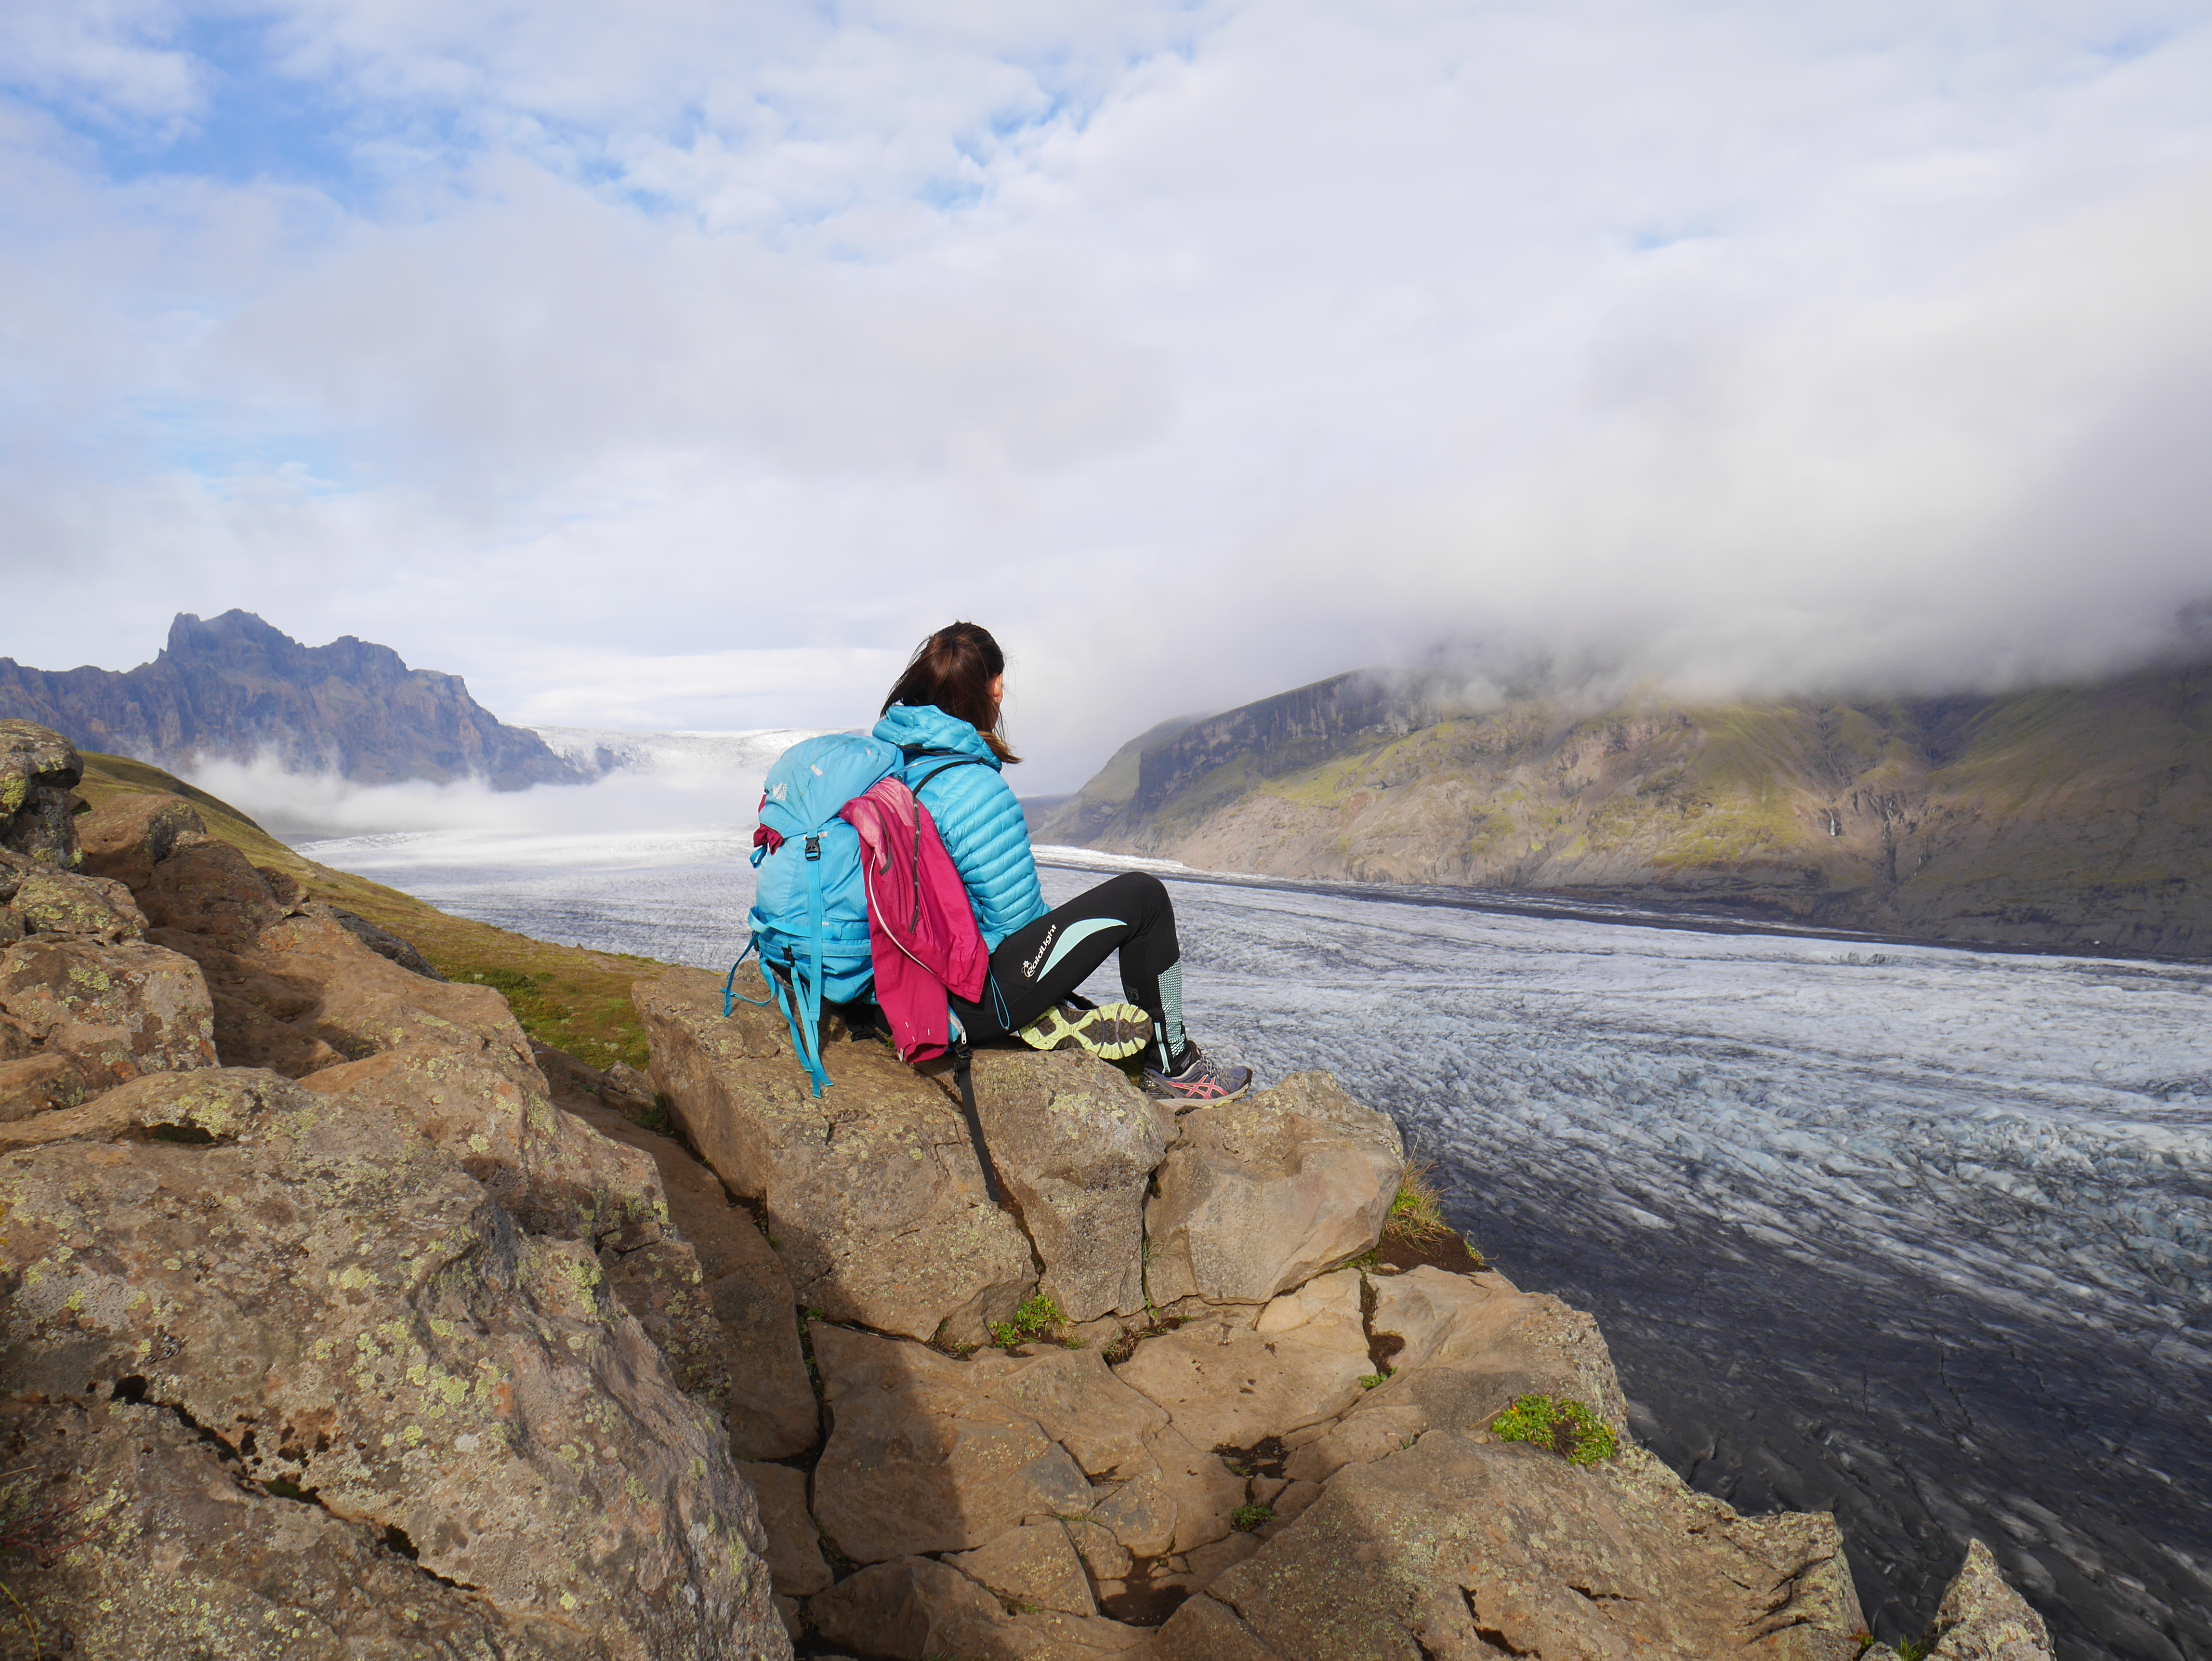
2074 816
233 688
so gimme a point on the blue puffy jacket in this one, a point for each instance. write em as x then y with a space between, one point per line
977 815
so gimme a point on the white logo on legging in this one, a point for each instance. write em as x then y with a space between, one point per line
1029 969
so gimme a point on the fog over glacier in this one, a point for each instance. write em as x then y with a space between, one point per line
1923 1235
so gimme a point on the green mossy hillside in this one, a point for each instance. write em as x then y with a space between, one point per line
575 1000
2058 816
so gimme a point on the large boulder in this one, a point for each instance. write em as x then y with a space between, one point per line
310 974
1453 1548
1470 1346
347 1319
1075 1143
208 888
39 776
119 1011
132 832
873 1194
1262 1195
46 901
553 1173
1233 1381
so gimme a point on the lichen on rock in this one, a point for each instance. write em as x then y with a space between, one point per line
38 774
352 1319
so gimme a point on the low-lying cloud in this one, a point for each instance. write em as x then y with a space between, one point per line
684 371
308 805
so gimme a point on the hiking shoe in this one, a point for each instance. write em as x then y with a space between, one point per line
1198 1081
1111 1031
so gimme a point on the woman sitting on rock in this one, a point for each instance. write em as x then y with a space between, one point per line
944 712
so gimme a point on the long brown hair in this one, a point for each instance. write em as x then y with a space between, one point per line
953 670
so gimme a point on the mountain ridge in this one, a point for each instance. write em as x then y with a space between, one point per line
2076 816
233 688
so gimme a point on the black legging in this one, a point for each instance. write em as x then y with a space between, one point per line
1035 967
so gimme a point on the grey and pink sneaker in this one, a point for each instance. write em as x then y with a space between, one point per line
1197 1082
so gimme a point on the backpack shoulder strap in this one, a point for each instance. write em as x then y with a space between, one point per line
954 758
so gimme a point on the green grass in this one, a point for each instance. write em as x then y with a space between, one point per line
1417 1215
1038 1318
1564 1427
1247 1518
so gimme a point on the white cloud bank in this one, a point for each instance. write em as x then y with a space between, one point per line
680 364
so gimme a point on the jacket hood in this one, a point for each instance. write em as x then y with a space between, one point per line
924 726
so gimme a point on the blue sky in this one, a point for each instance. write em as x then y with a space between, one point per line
679 364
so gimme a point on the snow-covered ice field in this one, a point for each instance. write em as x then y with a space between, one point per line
1922 1236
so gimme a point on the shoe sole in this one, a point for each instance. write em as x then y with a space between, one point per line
1166 1093
1112 1031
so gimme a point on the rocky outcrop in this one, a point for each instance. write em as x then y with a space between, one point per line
1980 1619
872 1194
401 1355
1275 1443
233 688
349 1320
1456 1546
134 833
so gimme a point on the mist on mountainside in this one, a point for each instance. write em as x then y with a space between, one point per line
2076 814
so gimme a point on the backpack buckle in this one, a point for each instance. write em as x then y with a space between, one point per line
814 848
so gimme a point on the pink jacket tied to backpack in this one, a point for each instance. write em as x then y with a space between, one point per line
921 930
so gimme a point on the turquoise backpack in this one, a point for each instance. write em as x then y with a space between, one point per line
810 916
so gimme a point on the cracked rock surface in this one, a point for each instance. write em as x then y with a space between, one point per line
872 1194
346 1317
1257 1196
1455 1548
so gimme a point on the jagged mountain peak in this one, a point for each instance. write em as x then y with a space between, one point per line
235 687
